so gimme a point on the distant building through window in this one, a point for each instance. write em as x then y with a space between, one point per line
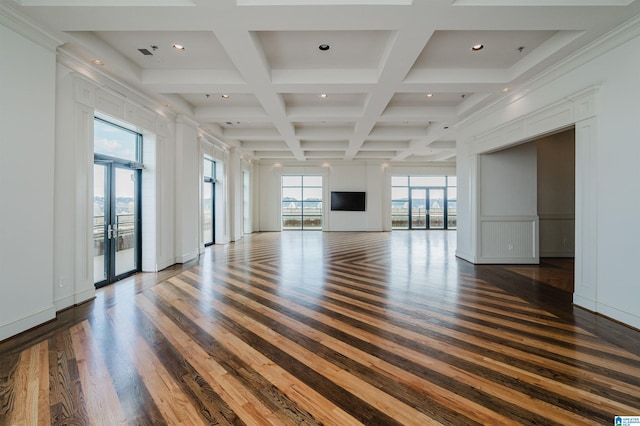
301 202
424 202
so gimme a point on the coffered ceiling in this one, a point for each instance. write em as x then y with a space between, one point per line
374 80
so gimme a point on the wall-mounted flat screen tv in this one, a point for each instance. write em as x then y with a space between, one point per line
348 201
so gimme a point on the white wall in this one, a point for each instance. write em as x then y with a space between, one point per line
508 182
374 179
367 178
236 188
508 222
27 128
46 178
618 183
602 98
556 194
73 250
467 165
187 195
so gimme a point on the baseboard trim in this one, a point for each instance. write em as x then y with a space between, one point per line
188 256
585 303
28 322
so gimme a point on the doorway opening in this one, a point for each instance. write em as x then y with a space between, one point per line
423 202
116 202
209 202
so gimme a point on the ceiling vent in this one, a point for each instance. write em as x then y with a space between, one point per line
145 52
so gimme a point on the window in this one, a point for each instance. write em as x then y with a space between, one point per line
116 202
423 202
114 141
301 202
452 202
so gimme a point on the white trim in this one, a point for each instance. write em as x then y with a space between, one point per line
625 317
27 322
187 257
623 33
17 23
555 116
106 3
541 2
74 299
98 78
584 302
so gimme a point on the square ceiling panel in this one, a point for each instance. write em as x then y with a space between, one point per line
331 100
384 145
427 99
346 49
324 145
202 50
222 100
501 49
314 125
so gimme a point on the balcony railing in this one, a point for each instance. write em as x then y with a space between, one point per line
124 232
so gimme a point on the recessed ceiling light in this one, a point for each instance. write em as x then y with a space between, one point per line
505 90
97 62
405 122
178 47
225 96
429 95
324 47
477 47
324 96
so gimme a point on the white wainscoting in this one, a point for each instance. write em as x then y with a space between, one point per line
508 239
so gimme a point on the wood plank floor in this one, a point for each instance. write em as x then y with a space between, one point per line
324 328
555 271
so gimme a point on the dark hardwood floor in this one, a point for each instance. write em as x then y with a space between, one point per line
554 271
326 328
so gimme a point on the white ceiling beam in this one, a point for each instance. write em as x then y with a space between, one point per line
247 55
402 51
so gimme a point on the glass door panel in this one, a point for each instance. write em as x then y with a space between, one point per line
207 213
418 208
124 229
115 222
99 223
436 208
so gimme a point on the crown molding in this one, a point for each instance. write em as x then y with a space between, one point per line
16 22
607 42
101 79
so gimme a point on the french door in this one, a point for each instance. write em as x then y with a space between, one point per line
116 221
208 212
427 208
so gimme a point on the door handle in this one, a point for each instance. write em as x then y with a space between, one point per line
109 232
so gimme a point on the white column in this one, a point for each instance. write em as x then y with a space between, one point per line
586 256
236 187
187 181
